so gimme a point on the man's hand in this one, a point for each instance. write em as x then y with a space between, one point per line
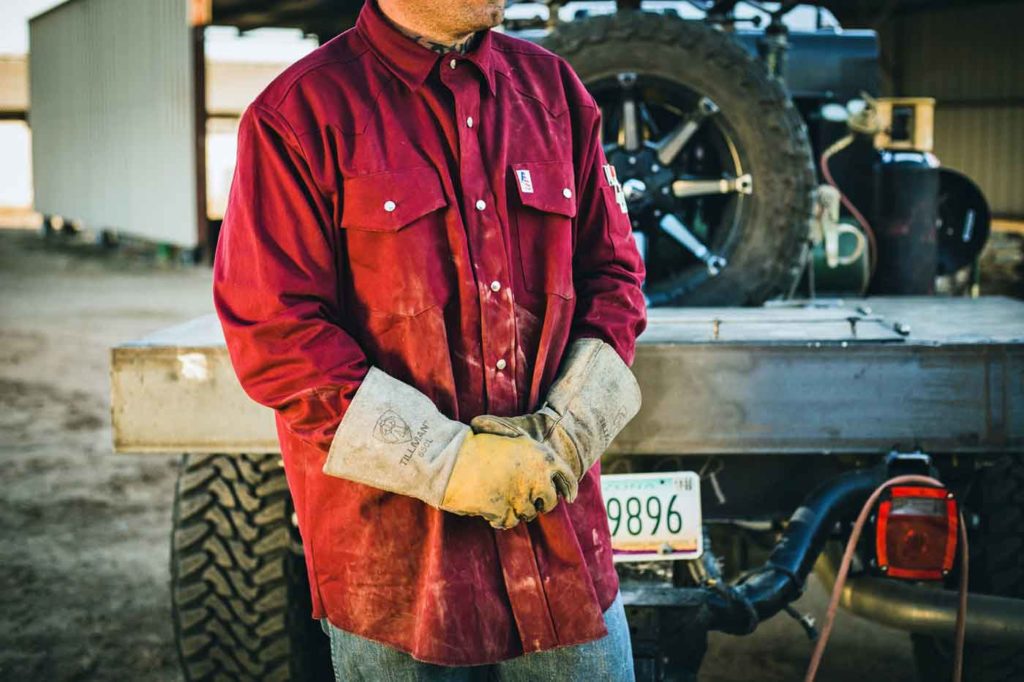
592 399
506 480
541 426
394 438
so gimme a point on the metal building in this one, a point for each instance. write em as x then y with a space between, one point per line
115 108
971 60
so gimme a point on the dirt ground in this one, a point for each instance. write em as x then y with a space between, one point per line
84 533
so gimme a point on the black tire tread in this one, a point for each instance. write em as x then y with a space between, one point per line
998 564
239 593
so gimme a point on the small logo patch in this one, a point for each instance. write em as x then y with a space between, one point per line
391 428
609 175
525 182
613 181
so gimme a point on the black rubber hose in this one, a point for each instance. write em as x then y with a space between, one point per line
740 608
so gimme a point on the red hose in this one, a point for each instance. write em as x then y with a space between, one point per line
857 215
844 569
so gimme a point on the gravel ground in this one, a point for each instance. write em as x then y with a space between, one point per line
84 533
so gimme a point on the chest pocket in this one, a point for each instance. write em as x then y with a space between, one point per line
543 213
396 241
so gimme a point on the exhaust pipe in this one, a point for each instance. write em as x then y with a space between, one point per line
925 610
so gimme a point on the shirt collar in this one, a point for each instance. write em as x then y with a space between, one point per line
407 59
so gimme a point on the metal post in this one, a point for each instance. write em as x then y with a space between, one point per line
204 241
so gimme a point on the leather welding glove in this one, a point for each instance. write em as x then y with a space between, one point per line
394 438
591 399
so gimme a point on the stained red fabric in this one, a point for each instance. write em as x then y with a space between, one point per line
370 223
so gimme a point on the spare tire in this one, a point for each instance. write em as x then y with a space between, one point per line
742 179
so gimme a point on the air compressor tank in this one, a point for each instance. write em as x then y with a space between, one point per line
905 199
904 218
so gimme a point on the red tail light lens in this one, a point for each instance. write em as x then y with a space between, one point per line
915 534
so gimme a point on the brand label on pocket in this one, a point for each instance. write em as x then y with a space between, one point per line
525 182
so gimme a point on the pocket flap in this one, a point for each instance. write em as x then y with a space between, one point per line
546 186
389 200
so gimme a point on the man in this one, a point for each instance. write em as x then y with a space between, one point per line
427 270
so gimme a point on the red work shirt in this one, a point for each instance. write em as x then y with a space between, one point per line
447 219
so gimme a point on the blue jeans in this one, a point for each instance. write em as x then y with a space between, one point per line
607 659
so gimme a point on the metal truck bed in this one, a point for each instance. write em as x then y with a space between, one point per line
836 376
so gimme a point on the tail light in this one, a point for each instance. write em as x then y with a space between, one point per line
916 532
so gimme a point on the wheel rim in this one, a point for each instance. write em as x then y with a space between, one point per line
676 156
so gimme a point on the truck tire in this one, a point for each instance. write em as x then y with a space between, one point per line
766 244
997 567
240 595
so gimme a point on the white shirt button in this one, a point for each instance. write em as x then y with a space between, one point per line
495 285
469 122
500 364
481 204
567 193
389 206
452 63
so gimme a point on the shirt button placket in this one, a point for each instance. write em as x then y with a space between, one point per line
484 229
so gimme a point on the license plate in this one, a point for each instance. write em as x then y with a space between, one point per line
654 516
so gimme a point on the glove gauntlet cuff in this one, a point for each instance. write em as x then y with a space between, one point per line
594 397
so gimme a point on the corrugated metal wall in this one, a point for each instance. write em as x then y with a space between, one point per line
112 116
972 61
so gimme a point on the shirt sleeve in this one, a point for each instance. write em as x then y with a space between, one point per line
275 285
607 268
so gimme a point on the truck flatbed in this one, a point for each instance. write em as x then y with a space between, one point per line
830 376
